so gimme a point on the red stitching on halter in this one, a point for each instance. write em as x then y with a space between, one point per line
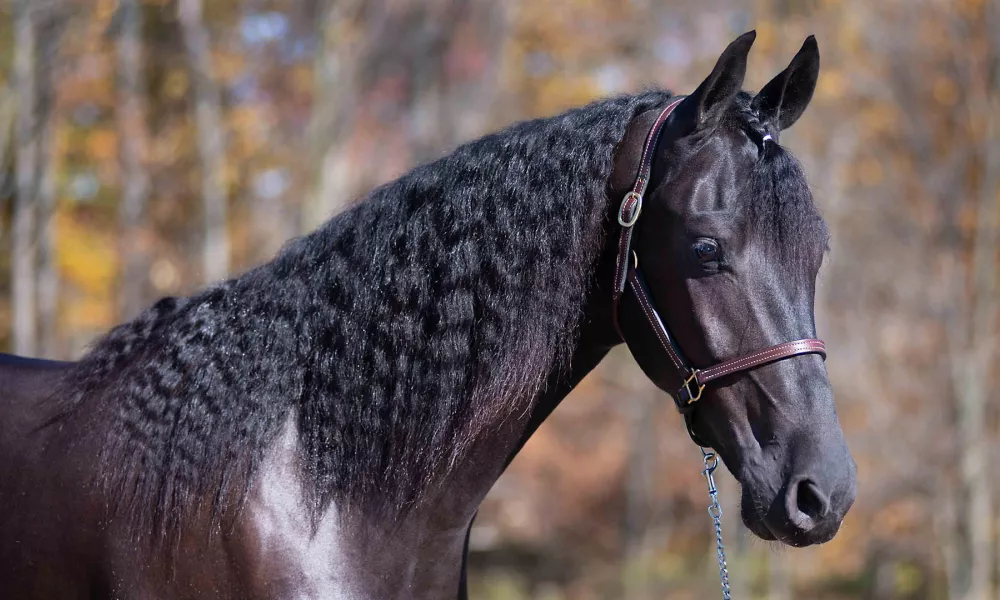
626 273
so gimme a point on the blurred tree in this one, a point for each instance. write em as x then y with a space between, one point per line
344 32
34 287
972 330
211 141
23 275
51 24
8 115
132 157
953 88
640 468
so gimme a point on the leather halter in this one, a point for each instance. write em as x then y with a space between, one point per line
628 275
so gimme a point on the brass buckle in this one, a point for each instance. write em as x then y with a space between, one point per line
692 398
635 213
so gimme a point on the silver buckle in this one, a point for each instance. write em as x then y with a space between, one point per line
635 214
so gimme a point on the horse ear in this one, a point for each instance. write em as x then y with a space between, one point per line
784 98
706 105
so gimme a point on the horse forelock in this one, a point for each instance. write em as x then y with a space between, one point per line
777 198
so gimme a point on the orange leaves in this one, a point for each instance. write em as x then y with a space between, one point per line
945 90
900 516
870 172
766 37
102 145
176 84
87 257
556 95
302 79
88 263
551 55
970 8
832 84
171 143
228 67
879 118
249 126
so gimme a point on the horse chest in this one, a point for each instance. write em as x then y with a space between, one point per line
282 553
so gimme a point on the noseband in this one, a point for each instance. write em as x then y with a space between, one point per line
628 275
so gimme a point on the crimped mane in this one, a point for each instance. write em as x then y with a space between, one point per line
392 336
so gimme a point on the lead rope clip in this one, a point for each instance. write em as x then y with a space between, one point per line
711 460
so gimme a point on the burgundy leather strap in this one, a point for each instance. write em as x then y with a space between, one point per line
768 355
627 272
631 206
638 287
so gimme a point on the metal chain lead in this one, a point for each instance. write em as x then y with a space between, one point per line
712 463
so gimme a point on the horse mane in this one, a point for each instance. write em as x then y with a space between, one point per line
392 335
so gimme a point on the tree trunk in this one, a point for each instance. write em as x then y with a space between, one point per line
48 269
132 147
446 109
430 128
638 484
211 150
23 267
978 331
275 214
336 68
8 117
996 542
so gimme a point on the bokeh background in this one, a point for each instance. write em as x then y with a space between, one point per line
149 146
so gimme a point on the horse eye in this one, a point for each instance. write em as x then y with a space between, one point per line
706 251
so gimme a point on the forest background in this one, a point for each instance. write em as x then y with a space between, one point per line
150 146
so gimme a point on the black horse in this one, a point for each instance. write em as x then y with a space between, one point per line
327 424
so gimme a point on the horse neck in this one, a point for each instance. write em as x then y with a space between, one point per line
425 549
462 493
460 496
597 338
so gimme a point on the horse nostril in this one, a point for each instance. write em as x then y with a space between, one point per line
809 500
806 504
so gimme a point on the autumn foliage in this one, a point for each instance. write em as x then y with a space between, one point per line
120 134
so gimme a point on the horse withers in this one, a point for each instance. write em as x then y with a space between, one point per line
326 425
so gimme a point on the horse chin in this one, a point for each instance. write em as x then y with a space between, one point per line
757 527
753 520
